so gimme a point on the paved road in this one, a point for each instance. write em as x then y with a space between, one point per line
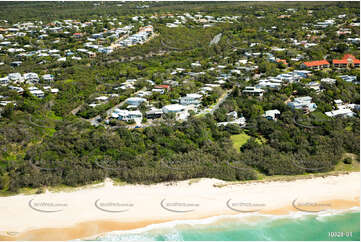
76 110
217 105
220 101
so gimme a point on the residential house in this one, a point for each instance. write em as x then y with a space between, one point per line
232 115
328 80
304 103
4 81
316 65
240 121
179 110
272 114
136 101
347 61
15 63
31 77
338 102
253 91
192 98
283 61
355 41
143 93
272 83
165 87
158 90
101 99
48 77
38 93
196 64
17 89
340 113
348 78
314 85
91 54
302 73
15 77
77 35
154 113
126 115
54 90
173 108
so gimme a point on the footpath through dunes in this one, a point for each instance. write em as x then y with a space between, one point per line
107 207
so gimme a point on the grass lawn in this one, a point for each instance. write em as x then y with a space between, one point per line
69 81
354 166
239 140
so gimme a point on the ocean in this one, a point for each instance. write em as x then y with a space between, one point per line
326 225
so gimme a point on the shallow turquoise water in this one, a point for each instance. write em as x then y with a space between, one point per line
298 226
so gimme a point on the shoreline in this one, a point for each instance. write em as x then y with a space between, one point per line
98 228
145 205
221 218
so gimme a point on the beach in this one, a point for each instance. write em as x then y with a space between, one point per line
90 211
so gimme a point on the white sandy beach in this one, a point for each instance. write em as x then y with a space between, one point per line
90 211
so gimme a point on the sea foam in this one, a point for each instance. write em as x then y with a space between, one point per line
170 230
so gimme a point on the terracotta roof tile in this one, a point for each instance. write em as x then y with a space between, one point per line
316 63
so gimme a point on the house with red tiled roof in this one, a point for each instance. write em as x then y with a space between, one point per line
77 35
316 65
161 89
283 61
167 87
347 61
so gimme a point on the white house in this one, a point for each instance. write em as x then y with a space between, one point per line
14 76
158 90
144 93
48 77
303 103
126 115
328 80
240 121
314 85
272 114
254 91
340 113
232 115
348 78
192 98
180 111
196 64
31 77
338 102
17 89
54 90
4 81
102 99
173 108
268 84
136 101
38 93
